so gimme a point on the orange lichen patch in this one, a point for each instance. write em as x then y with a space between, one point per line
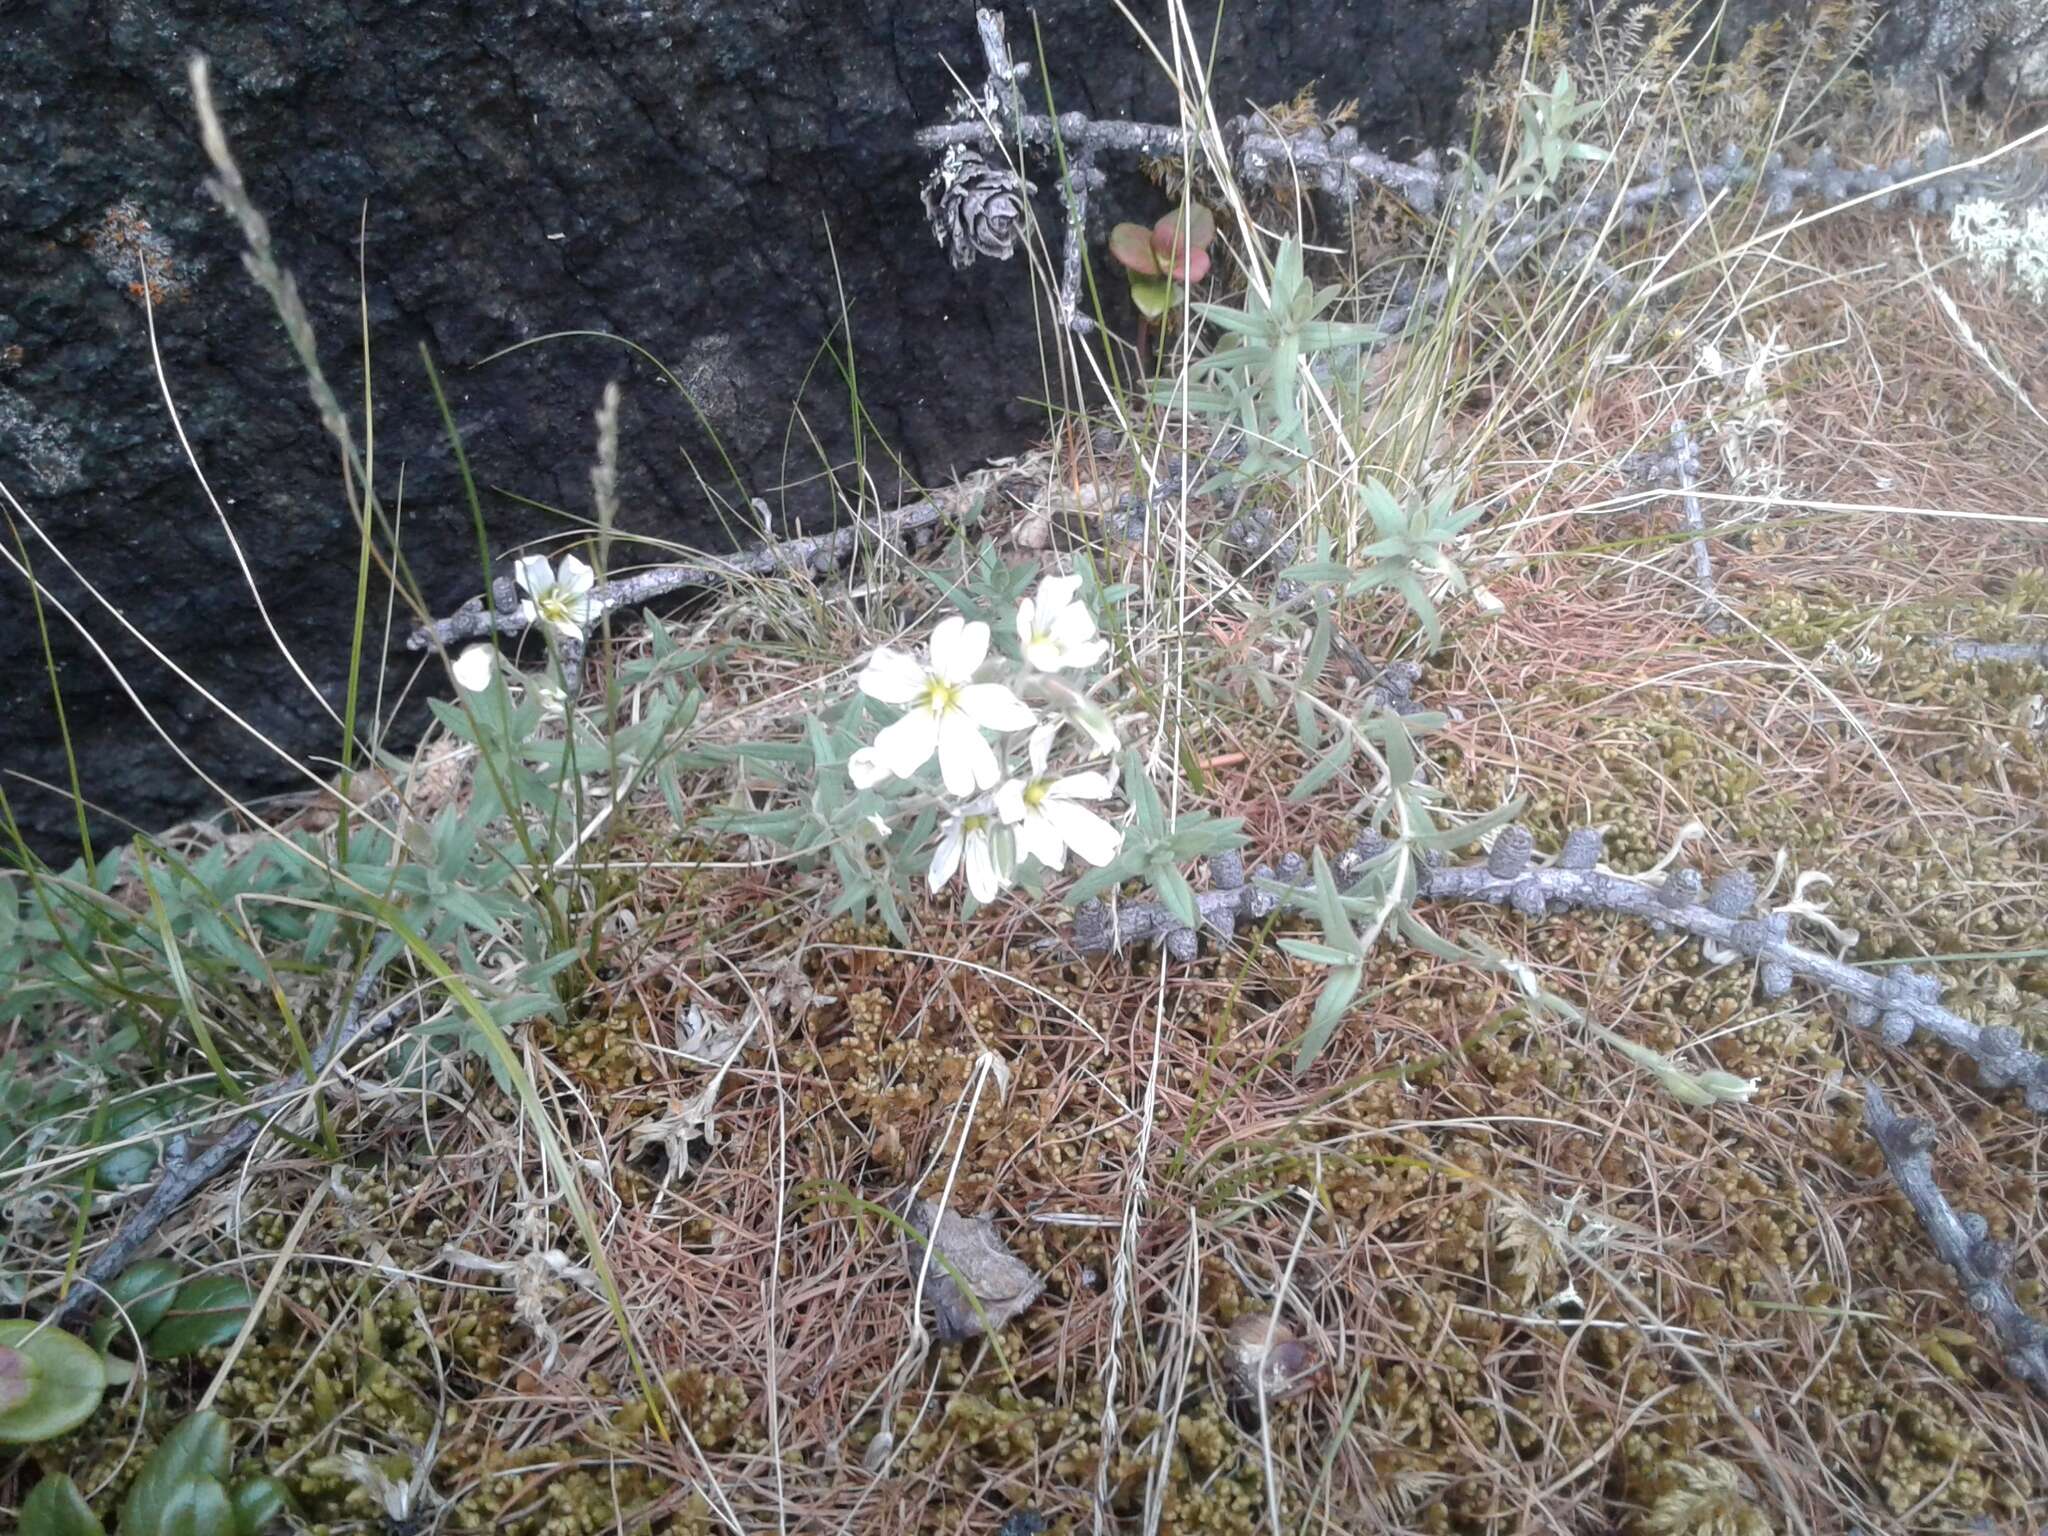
136 256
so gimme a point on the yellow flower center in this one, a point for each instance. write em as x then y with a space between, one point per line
554 607
940 697
1037 792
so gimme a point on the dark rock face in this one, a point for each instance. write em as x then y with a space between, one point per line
663 170
704 177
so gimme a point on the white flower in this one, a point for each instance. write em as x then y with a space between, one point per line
558 596
945 710
1055 630
473 668
866 768
972 837
1047 814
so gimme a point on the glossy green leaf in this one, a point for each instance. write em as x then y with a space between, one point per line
55 1507
196 1451
257 1501
138 1299
50 1381
197 1508
206 1312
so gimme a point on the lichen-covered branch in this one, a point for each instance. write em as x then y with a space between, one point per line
806 555
2035 651
186 1172
1899 1003
1335 163
1962 1239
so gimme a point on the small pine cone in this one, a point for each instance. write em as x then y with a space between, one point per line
1583 847
1509 855
1226 870
975 208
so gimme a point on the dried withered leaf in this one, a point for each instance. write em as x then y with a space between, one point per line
1262 1352
1001 1283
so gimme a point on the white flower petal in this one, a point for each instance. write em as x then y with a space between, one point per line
527 612
1026 609
958 648
947 858
966 761
867 768
1056 592
1073 626
894 678
1041 839
574 577
1086 785
1009 798
473 668
1084 831
908 745
534 574
1041 745
993 707
984 878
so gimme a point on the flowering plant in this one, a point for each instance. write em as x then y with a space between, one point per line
997 812
558 596
976 758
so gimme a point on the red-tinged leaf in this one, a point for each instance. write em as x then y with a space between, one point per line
1183 230
1131 244
1191 266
